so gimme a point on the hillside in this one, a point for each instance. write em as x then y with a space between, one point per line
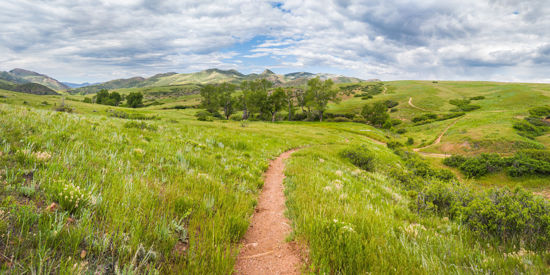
211 76
29 88
21 76
165 193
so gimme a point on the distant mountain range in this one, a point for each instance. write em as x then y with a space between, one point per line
211 76
78 85
9 80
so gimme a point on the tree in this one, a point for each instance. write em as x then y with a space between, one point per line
375 113
290 95
134 99
102 96
321 92
258 96
244 98
226 99
275 102
209 98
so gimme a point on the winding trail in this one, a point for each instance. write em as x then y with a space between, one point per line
416 107
264 249
437 141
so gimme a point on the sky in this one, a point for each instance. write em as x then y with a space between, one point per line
99 40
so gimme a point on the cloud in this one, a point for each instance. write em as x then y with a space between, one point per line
394 39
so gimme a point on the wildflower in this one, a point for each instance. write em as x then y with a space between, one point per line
139 151
327 188
42 156
356 172
338 173
337 184
343 196
321 160
348 228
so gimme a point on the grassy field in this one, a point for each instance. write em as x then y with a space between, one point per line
88 191
488 129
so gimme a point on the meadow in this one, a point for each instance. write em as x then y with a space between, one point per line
91 190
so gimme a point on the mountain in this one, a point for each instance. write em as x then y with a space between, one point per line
21 76
29 88
212 76
35 89
78 85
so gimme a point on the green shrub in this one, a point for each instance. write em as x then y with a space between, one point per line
454 160
401 131
410 141
527 129
204 116
424 117
359 119
541 111
394 144
510 217
236 117
479 97
69 196
360 156
391 103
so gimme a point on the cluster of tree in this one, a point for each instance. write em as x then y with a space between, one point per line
258 99
376 114
133 100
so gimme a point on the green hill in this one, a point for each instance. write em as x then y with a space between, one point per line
21 76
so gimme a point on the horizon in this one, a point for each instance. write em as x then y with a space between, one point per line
502 41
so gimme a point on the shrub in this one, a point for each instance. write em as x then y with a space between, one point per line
376 114
394 144
479 97
401 131
393 110
541 111
359 156
424 117
359 119
454 160
236 117
391 103
410 141
204 116
515 217
395 121
527 129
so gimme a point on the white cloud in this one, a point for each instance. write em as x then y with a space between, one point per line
100 40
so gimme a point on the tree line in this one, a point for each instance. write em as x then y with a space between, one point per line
258 99
133 99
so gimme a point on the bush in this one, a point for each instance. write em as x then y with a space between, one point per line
394 144
359 119
479 97
204 116
393 110
424 117
541 111
454 160
401 131
390 103
410 141
236 117
359 156
527 129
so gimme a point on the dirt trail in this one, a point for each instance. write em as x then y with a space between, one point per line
414 106
437 141
264 249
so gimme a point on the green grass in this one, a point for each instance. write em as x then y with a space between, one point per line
174 195
356 222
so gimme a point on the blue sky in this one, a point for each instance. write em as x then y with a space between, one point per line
99 40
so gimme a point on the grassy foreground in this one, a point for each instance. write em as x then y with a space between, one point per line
357 222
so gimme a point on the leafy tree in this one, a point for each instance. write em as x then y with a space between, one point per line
226 99
259 96
375 113
290 96
275 102
102 96
134 99
244 98
209 98
322 92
